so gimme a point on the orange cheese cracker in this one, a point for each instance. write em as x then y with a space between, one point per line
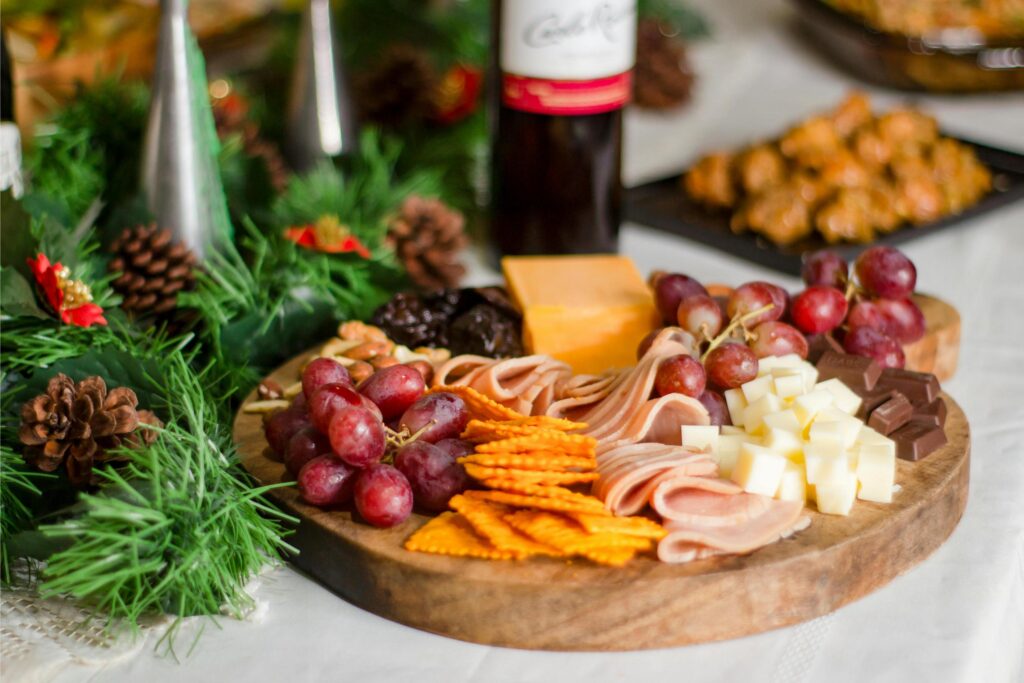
630 526
451 534
530 489
566 534
547 439
612 557
539 502
540 477
479 406
547 422
553 462
487 519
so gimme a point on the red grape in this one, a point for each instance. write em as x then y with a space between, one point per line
433 474
299 403
321 371
886 272
826 268
819 309
357 436
326 481
383 495
393 389
752 296
447 412
305 444
869 342
700 315
456 448
281 427
328 399
905 321
671 289
680 375
778 339
718 410
866 313
780 297
731 365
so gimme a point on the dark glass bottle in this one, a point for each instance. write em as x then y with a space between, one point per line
561 78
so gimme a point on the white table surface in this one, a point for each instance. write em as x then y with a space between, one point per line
959 616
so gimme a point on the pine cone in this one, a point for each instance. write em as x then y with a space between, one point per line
662 76
153 269
427 236
398 88
77 424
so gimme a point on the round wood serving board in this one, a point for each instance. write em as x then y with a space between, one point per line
551 604
938 351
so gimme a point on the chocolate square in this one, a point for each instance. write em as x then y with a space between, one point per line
921 388
916 441
819 344
891 415
857 372
933 414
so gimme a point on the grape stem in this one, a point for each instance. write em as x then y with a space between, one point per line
733 324
396 440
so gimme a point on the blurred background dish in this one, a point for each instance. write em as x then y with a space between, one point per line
932 45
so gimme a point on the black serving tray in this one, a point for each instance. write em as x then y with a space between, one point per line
664 205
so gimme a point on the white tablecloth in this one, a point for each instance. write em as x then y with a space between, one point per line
959 616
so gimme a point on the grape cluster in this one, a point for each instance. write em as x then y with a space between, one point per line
384 445
868 309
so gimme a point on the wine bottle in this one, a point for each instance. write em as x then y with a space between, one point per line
561 77
10 137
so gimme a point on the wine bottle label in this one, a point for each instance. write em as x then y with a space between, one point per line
567 57
10 158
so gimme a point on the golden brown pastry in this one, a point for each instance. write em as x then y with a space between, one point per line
852 113
919 199
811 143
846 217
844 169
710 181
759 168
779 213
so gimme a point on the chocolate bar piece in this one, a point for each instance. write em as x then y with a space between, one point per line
871 401
921 388
891 415
819 344
857 372
933 414
916 441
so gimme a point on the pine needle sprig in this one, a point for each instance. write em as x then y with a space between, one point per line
180 529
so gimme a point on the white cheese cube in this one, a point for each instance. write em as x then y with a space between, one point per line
768 363
809 405
737 404
837 498
728 452
867 435
756 388
845 398
876 472
789 386
825 462
784 419
758 469
699 437
731 429
793 485
810 376
754 413
783 442
824 428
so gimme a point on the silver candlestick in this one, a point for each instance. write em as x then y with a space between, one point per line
321 120
180 176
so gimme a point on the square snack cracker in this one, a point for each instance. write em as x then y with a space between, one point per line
537 502
487 519
566 534
479 406
552 462
630 526
539 477
483 431
543 440
451 534
530 489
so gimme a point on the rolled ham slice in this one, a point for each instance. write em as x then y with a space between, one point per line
629 474
777 519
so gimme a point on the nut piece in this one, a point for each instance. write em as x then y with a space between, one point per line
359 370
424 368
368 350
268 390
381 362
336 347
438 355
360 331
260 407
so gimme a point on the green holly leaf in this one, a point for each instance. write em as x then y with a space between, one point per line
17 242
17 297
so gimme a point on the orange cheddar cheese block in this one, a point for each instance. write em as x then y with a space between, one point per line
590 311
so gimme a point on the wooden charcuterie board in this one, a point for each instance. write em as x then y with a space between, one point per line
939 350
550 604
